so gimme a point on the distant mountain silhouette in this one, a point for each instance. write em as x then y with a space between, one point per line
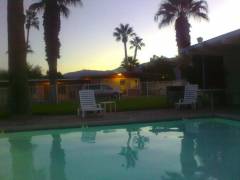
86 73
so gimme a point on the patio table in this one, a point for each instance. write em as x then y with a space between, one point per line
111 104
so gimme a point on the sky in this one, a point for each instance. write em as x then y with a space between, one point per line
88 43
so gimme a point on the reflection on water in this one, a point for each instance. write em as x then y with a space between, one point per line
138 142
21 150
182 150
57 156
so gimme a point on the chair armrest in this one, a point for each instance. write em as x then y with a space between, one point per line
180 100
99 106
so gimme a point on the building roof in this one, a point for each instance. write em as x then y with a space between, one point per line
222 45
43 81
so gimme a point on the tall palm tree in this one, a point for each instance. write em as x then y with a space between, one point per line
53 9
122 33
18 85
179 11
32 21
136 43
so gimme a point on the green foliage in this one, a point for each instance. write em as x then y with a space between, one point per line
55 109
3 114
4 75
34 72
130 64
162 66
59 75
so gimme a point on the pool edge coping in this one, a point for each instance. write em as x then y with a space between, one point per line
97 123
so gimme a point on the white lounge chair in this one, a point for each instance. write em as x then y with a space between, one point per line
190 97
88 103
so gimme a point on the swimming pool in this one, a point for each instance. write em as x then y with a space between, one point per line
199 149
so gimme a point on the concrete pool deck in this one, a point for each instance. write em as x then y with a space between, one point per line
72 121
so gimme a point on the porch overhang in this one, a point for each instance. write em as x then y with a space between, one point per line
226 44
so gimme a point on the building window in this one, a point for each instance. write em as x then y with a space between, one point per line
122 82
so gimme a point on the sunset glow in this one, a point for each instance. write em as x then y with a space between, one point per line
87 41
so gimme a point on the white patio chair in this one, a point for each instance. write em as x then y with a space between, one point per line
88 103
190 97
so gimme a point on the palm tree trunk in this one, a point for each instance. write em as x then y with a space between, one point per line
51 25
27 41
53 98
182 28
18 85
125 50
135 53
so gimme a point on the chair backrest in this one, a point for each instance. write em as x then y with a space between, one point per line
87 99
190 93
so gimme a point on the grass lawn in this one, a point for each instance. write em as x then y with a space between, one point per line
142 103
55 109
3 115
124 104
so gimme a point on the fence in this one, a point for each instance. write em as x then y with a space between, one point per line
40 93
158 88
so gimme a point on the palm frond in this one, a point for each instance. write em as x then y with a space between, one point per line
72 2
64 10
123 32
39 6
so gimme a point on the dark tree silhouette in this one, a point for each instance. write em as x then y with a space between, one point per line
32 21
122 33
179 11
136 43
52 24
130 64
18 85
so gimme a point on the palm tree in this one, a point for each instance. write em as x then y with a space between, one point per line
179 11
52 24
130 154
122 33
18 85
31 22
129 64
136 43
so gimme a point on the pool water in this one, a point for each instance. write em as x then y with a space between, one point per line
199 149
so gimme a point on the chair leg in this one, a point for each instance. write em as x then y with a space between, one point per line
195 107
177 106
83 114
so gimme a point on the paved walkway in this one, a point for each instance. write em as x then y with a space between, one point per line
51 122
